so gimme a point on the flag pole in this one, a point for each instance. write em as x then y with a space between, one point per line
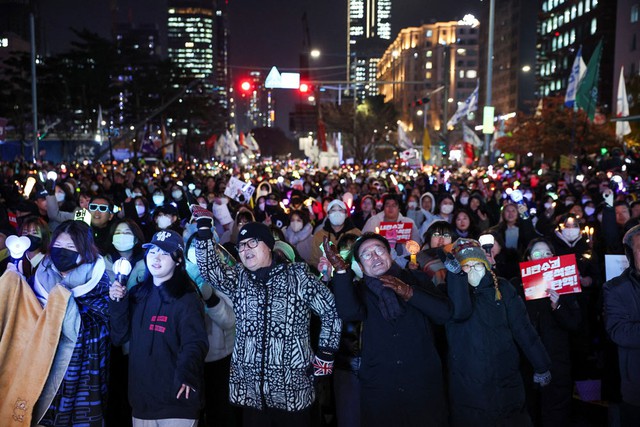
487 137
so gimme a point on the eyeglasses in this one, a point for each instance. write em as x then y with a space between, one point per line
98 207
378 251
540 255
443 235
249 244
477 267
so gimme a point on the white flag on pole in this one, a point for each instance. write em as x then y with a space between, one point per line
622 108
577 73
471 104
403 139
469 135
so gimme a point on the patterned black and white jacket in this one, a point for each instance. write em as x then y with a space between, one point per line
272 355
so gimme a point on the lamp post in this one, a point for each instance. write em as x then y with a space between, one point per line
487 137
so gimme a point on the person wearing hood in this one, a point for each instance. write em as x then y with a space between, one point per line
166 218
336 224
444 212
428 207
478 209
489 326
299 233
74 262
622 320
414 212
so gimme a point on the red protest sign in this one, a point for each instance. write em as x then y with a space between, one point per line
398 231
559 273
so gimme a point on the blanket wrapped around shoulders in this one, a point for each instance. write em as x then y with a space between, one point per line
29 338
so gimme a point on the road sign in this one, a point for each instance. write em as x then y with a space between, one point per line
277 80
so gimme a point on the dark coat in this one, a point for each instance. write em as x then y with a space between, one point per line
484 336
622 321
401 373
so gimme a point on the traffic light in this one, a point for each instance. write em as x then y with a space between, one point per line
246 86
304 87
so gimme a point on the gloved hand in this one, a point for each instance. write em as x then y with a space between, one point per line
450 262
543 379
401 289
204 221
607 195
333 256
50 186
323 364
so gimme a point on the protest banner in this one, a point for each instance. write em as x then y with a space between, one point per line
238 190
559 273
398 231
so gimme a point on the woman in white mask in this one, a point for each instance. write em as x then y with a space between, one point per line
335 225
489 327
126 242
445 208
299 233
567 239
166 217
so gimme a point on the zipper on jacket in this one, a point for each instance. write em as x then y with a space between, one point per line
264 346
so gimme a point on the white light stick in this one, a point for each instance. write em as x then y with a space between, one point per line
487 241
52 175
28 188
122 268
17 247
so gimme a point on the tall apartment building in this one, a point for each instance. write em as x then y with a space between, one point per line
190 34
564 26
368 34
440 57
514 56
627 51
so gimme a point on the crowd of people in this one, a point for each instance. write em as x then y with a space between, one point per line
359 296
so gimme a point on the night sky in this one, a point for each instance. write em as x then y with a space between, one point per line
263 32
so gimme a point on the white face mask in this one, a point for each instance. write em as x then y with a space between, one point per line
60 197
571 234
197 192
548 205
588 210
261 206
164 222
464 200
337 218
140 209
203 205
412 205
474 277
295 226
123 242
94 187
176 194
446 209
158 199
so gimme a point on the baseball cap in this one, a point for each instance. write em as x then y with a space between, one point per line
167 240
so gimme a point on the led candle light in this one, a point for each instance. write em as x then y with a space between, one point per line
413 248
122 269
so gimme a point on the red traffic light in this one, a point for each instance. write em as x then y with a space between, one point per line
304 88
245 85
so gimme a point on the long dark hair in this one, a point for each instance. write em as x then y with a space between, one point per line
81 236
42 226
137 252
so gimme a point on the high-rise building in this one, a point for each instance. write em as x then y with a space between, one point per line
191 37
514 56
441 58
221 54
627 52
368 33
565 26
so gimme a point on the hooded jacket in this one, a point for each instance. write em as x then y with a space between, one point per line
327 230
168 344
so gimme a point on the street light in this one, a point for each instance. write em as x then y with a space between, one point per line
315 53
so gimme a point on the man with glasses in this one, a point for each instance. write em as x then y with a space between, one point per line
101 210
273 364
400 372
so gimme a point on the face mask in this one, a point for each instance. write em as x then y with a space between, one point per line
474 277
528 195
203 205
588 210
158 199
164 222
123 242
446 209
261 206
464 200
571 234
140 210
412 205
60 197
548 205
134 195
36 241
64 259
94 187
176 194
378 205
295 226
197 192
337 218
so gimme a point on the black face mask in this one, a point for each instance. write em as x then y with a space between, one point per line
36 241
64 259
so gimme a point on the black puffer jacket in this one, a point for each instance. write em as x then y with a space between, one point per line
484 336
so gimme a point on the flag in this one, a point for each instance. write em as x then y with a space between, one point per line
577 73
587 94
469 135
426 145
209 144
622 108
403 139
241 140
251 143
471 104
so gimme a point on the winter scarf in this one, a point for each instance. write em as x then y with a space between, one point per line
388 303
